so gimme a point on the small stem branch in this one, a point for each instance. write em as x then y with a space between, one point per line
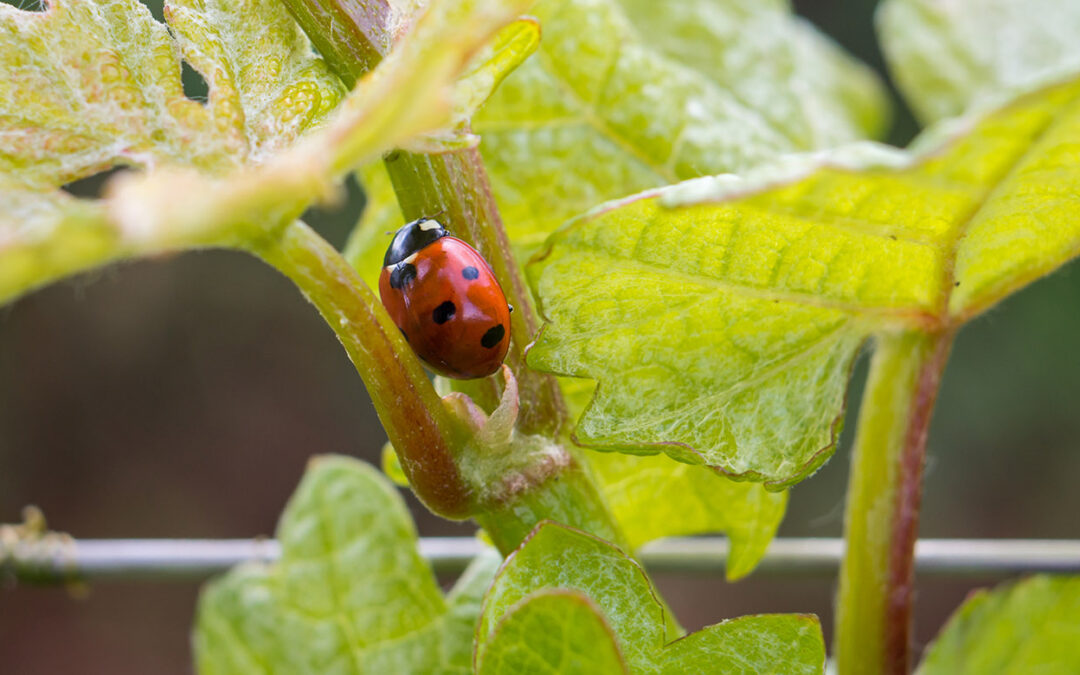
421 429
354 34
873 632
570 498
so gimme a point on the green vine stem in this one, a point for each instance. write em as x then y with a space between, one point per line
873 626
420 427
352 35
455 186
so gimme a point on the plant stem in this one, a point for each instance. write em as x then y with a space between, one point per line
353 34
873 627
420 427
455 186
569 497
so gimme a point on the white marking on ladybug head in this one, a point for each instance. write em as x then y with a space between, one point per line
429 225
404 261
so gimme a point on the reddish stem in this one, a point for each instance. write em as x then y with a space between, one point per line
908 499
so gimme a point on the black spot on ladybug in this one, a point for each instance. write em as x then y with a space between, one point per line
402 275
444 312
403 333
493 336
470 272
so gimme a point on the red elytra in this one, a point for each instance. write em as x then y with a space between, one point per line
445 299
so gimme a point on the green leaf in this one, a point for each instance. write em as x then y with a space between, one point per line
92 84
558 557
633 94
97 83
380 218
950 57
1028 627
722 330
351 593
553 631
655 496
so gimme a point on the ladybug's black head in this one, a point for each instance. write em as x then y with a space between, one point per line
411 238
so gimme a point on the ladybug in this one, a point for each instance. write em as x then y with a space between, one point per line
445 299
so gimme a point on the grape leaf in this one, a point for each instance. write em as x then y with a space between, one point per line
351 593
722 330
654 497
625 95
553 631
622 599
224 174
92 84
1029 627
949 57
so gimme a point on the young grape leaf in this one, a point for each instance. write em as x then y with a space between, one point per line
949 57
129 109
351 593
654 497
556 557
1029 627
722 331
625 95
91 84
553 631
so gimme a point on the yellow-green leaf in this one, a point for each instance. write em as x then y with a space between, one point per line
1028 627
654 497
950 57
625 95
722 330
89 84
381 216
229 173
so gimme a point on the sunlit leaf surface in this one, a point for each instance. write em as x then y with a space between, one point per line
90 84
625 95
722 330
949 57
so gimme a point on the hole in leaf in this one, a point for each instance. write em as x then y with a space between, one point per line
91 187
157 9
335 221
195 86
26 5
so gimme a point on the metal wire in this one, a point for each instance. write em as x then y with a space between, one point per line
57 559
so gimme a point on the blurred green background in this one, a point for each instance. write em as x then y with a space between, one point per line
181 397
